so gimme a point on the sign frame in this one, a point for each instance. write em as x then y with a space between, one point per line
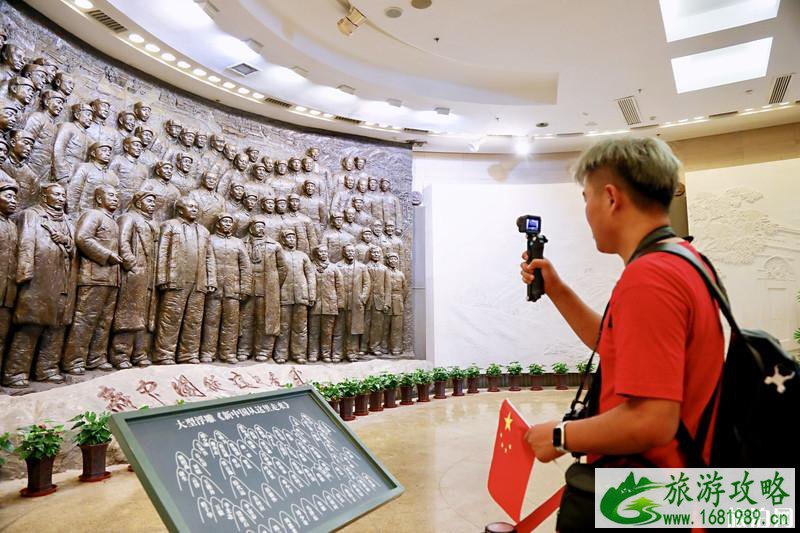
167 507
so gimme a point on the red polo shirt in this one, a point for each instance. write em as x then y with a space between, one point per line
662 338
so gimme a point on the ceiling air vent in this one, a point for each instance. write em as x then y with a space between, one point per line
416 131
106 21
723 115
630 110
779 89
277 102
347 119
243 69
571 134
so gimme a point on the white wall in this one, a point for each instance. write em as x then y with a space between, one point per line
746 219
476 309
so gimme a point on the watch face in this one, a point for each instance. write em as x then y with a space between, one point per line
557 437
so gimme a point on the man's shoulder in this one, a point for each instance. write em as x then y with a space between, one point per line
661 270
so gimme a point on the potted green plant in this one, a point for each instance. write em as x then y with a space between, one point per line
390 383
330 392
514 370
348 389
39 445
560 370
407 389
374 385
423 380
5 446
457 375
583 368
362 399
440 376
493 372
536 372
473 375
93 437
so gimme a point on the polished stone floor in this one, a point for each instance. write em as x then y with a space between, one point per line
440 452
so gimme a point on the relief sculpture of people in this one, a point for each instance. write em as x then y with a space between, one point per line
135 233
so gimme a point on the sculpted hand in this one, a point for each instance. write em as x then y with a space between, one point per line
114 259
540 439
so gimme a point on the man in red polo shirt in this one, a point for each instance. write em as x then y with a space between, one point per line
662 346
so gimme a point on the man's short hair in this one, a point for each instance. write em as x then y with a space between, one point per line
647 167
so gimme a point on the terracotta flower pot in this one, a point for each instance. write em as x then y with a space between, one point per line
362 404
536 382
458 386
513 382
334 405
40 478
561 382
94 462
376 400
346 408
472 385
406 395
494 381
389 398
423 392
440 390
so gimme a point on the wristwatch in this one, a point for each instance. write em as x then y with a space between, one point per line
560 437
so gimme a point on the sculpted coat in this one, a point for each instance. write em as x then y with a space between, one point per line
138 244
80 191
69 150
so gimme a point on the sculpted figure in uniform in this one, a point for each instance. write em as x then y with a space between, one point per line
362 218
307 165
8 256
252 154
391 242
312 206
361 192
261 312
200 146
37 75
343 197
42 126
258 180
273 222
391 208
235 199
249 210
173 129
72 143
21 91
185 272
98 131
323 173
229 152
335 238
184 146
9 115
355 292
12 59
234 174
45 290
360 162
398 298
135 318
49 68
326 307
128 167
88 176
379 302
148 157
17 165
210 203
306 232
350 225
142 112
373 198
234 283
380 236
364 244
97 240
214 159
295 173
166 193
298 293
126 125
282 184
183 172
63 83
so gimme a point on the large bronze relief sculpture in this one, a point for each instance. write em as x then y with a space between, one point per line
135 233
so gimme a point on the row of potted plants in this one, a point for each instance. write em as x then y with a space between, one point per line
39 445
354 397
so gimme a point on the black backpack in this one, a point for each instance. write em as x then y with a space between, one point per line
759 394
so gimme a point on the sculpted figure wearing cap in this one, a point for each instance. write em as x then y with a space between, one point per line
87 177
8 255
12 59
166 192
298 293
42 126
129 169
326 307
98 130
71 145
209 202
17 165
349 326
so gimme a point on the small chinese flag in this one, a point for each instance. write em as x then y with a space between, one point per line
512 462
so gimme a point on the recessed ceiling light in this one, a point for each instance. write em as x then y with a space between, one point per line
199 72
243 90
229 85
214 79
701 117
749 109
766 106
346 89
166 56
731 64
300 108
183 64
258 96
150 47
421 4
328 115
690 18
683 120
84 4
315 112
393 12
135 38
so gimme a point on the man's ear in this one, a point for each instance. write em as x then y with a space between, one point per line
613 196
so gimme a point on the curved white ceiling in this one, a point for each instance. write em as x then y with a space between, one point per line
500 67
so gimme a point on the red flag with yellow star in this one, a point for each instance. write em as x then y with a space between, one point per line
512 462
